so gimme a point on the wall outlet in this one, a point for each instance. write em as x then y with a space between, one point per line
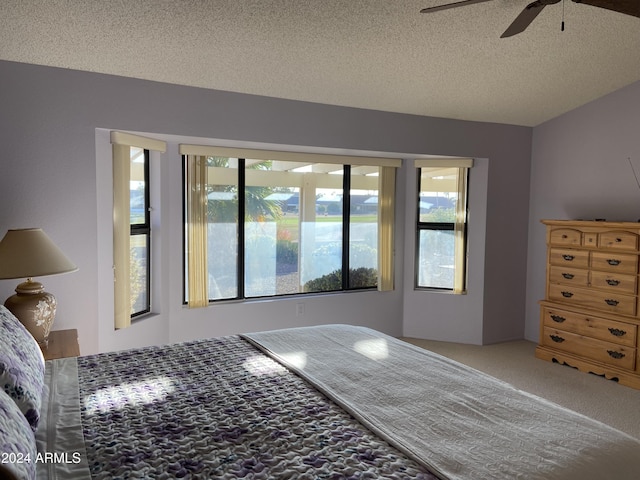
299 309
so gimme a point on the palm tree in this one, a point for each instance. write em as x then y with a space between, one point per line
223 208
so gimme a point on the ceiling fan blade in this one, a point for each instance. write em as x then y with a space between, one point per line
628 7
462 3
527 16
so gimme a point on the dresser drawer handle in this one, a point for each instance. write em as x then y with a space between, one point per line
611 302
557 318
614 262
556 338
616 355
568 276
613 283
567 294
617 332
568 258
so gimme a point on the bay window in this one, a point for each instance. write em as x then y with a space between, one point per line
282 223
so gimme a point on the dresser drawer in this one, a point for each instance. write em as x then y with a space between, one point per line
590 239
605 352
565 236
589 326
618 240
616 282
590 298
569 258
569 276
614 262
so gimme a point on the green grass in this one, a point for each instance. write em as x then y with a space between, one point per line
290 222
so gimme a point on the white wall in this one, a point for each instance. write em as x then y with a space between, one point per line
581 170
55 174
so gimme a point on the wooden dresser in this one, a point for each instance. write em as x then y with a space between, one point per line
590 316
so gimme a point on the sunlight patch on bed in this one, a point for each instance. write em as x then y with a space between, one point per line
121 396
375 349
295 359
259 366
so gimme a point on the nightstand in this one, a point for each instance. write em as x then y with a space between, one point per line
62 344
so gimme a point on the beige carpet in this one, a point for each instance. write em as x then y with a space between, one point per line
514 362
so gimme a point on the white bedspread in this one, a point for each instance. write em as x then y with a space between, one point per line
459 422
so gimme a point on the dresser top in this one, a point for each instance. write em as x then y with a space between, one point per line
592 223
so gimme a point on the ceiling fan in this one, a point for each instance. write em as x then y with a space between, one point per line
531 11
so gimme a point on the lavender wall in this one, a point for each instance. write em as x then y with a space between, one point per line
53 126
582 169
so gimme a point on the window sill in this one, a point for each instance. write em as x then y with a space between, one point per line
438 290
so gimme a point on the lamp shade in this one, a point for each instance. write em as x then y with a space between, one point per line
29 252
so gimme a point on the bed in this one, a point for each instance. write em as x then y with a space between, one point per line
326 402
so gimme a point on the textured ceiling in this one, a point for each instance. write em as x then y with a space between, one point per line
376 54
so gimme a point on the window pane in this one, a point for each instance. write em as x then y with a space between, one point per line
321 239
436 259
140 231
267 199
292 228
260 226
222 232
363 227
271 242
438 194
441 250
138 205
138 274
272 227
261 215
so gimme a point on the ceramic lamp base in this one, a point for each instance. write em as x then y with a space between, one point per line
35 308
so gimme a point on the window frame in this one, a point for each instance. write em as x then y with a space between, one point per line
422 226
122 143
241 252
140 229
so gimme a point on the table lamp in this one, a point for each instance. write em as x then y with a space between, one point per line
28 253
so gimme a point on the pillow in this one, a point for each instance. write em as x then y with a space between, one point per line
21 367
17 442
